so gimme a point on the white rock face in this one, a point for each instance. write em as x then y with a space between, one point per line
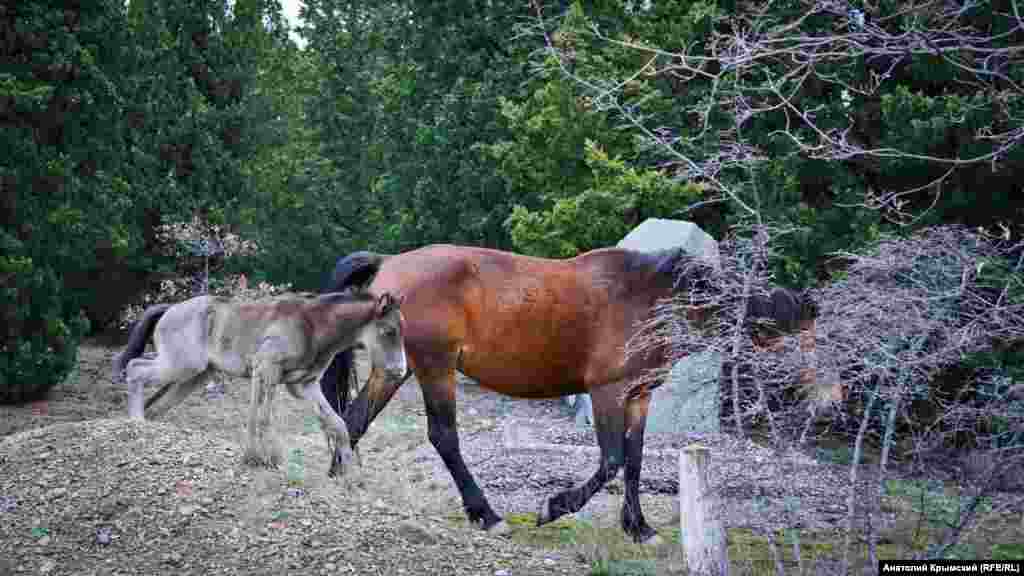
688 401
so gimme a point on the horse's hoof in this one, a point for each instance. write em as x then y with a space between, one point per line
652 541
498 528
544 513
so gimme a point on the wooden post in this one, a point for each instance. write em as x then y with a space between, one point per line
701 530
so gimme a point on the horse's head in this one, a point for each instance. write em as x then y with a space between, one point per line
384 339
785 311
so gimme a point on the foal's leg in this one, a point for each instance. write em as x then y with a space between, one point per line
177 380
260 447
439 397
138 373
633 521
335 430
175 393
608 424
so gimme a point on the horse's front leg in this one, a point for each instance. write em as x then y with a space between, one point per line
608 424
439 398
261 448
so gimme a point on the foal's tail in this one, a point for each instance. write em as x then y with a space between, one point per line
141 332
355 271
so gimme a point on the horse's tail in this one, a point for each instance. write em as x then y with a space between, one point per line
140 334
356 270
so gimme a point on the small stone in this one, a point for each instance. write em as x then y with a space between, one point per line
415 532
104 535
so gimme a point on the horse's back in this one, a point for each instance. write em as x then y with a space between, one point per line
520 325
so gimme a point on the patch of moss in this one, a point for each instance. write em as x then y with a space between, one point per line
1007 552
557 534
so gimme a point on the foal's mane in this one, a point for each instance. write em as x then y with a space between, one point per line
353 294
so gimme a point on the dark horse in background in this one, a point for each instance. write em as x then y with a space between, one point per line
529 328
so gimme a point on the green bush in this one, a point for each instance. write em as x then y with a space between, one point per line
38 340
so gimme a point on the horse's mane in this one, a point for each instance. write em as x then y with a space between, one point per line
787 308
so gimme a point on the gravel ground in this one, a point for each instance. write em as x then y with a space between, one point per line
82 494
85 491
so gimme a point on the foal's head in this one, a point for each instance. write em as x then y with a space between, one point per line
383 336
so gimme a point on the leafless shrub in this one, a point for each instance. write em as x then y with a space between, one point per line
762 61
201 248
898 316
711 315
902 314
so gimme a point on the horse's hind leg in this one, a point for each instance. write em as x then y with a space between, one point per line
633 521
608 424
439 397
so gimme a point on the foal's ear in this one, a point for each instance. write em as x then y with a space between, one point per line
386 303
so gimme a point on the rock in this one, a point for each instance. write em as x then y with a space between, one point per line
584 411
688 402
188 509
415 532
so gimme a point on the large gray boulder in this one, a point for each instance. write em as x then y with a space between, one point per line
688 400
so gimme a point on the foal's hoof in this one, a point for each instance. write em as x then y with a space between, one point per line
258 461
544 513
259 458
342 462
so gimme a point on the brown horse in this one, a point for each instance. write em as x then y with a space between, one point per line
530 328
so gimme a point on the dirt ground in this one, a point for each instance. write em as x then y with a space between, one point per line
83 490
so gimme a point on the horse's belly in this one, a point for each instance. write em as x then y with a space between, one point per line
533 375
